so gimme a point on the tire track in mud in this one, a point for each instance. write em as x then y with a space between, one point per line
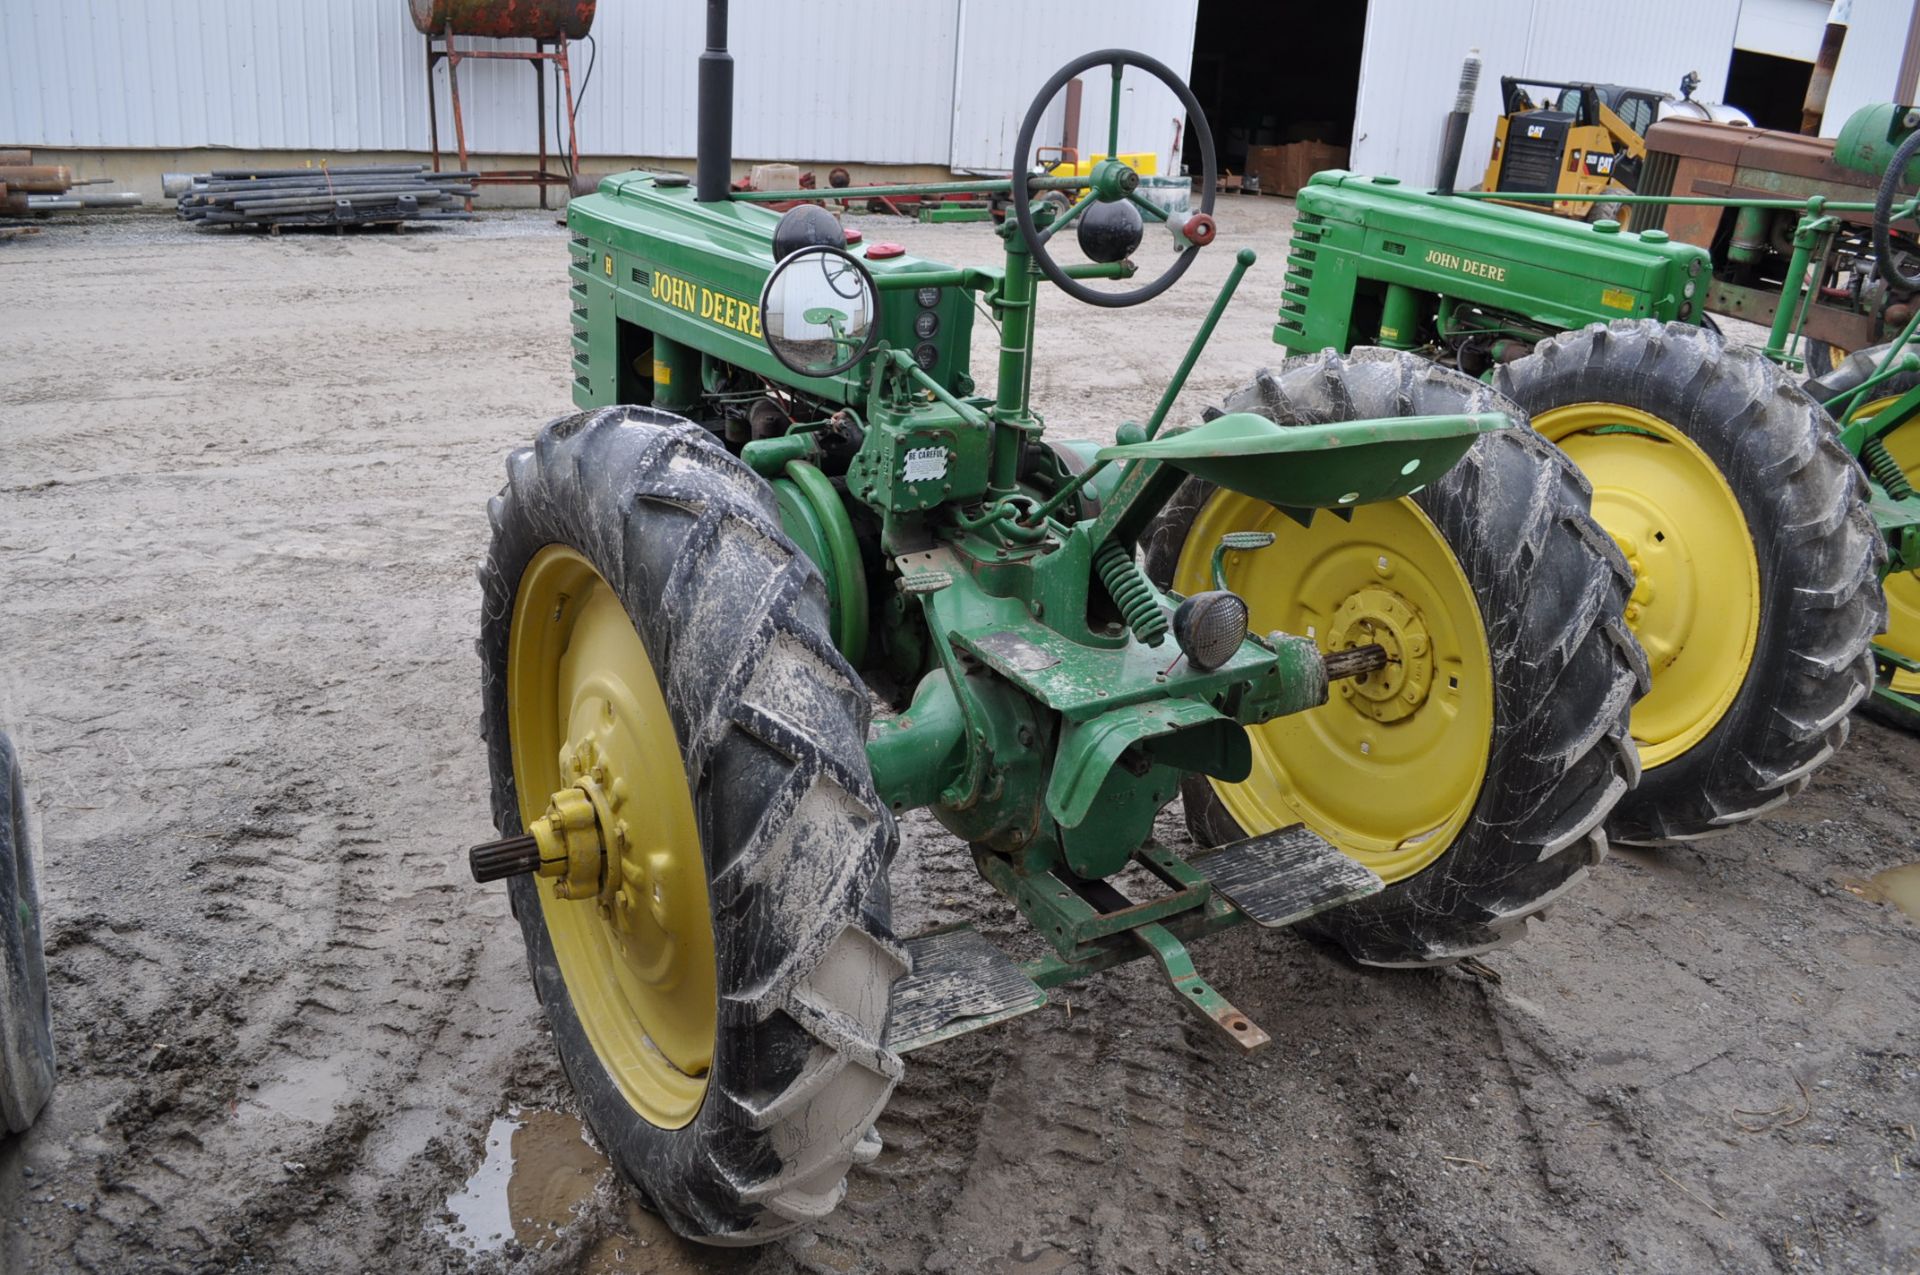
283 645
303 1054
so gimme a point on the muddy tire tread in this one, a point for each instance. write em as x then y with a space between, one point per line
26 1026
1820 560
773 727
1552 591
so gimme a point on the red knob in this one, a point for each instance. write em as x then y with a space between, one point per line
1198 230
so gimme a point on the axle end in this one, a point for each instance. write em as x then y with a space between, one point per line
1354 661
507 857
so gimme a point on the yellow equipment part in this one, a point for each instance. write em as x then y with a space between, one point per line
1903 588
1582 188
1145 163
1390 768
586 714
1696 597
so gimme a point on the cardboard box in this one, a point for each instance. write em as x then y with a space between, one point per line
1304 159
1269 164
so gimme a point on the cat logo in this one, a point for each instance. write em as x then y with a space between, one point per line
1536 130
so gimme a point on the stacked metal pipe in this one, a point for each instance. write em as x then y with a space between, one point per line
26 187
360 195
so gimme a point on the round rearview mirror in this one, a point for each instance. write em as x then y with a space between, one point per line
820 311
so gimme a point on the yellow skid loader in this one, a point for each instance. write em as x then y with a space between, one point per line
1584 141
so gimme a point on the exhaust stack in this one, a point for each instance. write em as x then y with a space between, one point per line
1814 110
1454 135
713 165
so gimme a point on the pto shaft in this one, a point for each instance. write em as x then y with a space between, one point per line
507 857
1354 661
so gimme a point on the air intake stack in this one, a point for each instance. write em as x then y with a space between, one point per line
1454 136
713 168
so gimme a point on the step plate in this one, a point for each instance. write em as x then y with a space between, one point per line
1286 876
960 983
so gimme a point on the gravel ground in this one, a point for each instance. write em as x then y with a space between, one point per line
241 500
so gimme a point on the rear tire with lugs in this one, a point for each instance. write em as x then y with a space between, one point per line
1758 590
1500 601
648 511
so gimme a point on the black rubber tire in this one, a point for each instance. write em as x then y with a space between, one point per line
1837 378
1551 589
773 726
1825 388
1804 500
26 1024
1820 363
1608 207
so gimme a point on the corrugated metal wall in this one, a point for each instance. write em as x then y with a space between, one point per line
932 81
869 81
1411 66
1412 61
1869 69
998 76
1782 28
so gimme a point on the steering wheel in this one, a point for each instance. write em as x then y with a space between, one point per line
1890 181
1116 183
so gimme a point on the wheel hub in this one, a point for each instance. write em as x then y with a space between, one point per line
569 839
1389 779
1379 615
1648 623
1696 600
628 913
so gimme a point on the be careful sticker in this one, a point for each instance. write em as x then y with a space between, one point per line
925 464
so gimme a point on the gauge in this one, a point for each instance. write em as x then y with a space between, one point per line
928 298
926 355
926 323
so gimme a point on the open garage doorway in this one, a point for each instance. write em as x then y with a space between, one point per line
1271 74
1770 89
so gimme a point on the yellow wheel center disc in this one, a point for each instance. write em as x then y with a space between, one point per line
585 710
1388 769
1696 597
1382 617
1903 588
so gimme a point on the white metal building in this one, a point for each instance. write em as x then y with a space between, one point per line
923 82
1411 62
941 82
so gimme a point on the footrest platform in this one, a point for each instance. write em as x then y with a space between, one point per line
1285 876
960 983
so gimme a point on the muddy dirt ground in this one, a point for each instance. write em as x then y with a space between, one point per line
242 485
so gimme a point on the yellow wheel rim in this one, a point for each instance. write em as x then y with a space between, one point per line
1696 595
1903 589
1388 769
584 706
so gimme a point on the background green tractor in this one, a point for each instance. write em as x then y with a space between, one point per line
784 496
1757 528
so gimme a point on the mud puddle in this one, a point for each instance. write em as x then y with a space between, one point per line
538 1173
1899 886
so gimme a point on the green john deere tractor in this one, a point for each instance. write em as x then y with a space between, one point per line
1758 529
785 496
